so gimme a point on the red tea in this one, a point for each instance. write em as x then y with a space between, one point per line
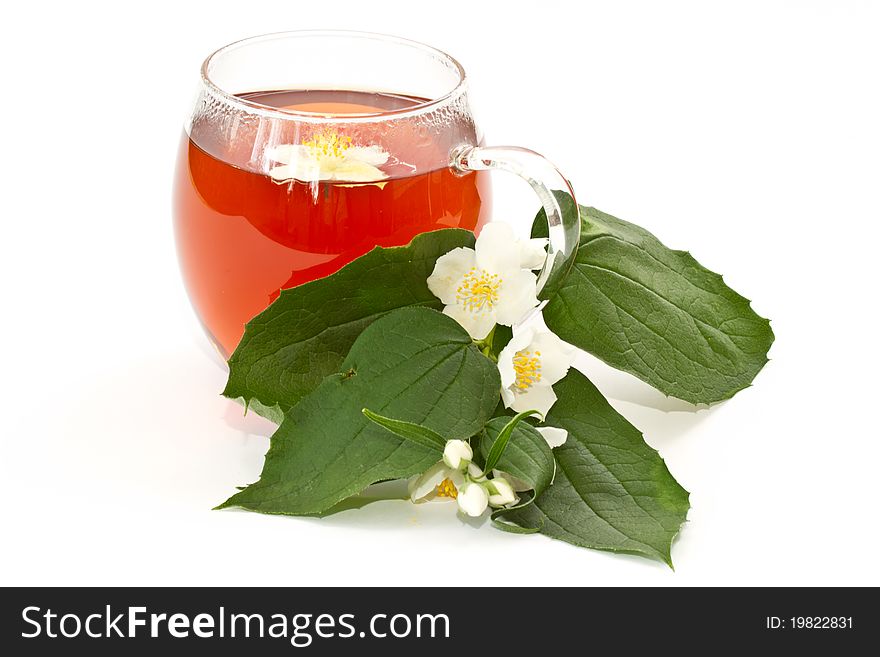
243 235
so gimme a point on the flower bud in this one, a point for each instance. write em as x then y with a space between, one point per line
473 499
501 492
457 454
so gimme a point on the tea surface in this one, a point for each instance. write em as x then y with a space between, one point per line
243 235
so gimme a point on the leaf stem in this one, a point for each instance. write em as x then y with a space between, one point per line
485 345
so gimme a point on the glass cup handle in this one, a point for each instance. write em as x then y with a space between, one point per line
556 195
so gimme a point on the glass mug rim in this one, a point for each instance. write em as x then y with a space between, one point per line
372 63
230 97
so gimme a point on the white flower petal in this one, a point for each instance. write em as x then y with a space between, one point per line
354 171
373 155
507 397
457 453
303 169
282 172
477 324
521 339
286 153
497 502
517 296
497 248
456 477
503 494
473 499
506 370
553 435
350 171
539 398
533 252
556 356
425 484
449 269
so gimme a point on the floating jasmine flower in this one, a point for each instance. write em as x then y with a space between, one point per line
327 156
489 284
529 365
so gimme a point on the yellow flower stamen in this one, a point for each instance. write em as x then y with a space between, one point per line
478 290
447 489
527 366
328 144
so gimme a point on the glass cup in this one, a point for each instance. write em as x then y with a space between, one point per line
304 150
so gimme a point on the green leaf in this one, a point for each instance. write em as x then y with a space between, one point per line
501 336
528 457
657 313
289 348
503 438
415 364
612 491
411 431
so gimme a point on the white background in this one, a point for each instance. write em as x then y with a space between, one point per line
746 132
